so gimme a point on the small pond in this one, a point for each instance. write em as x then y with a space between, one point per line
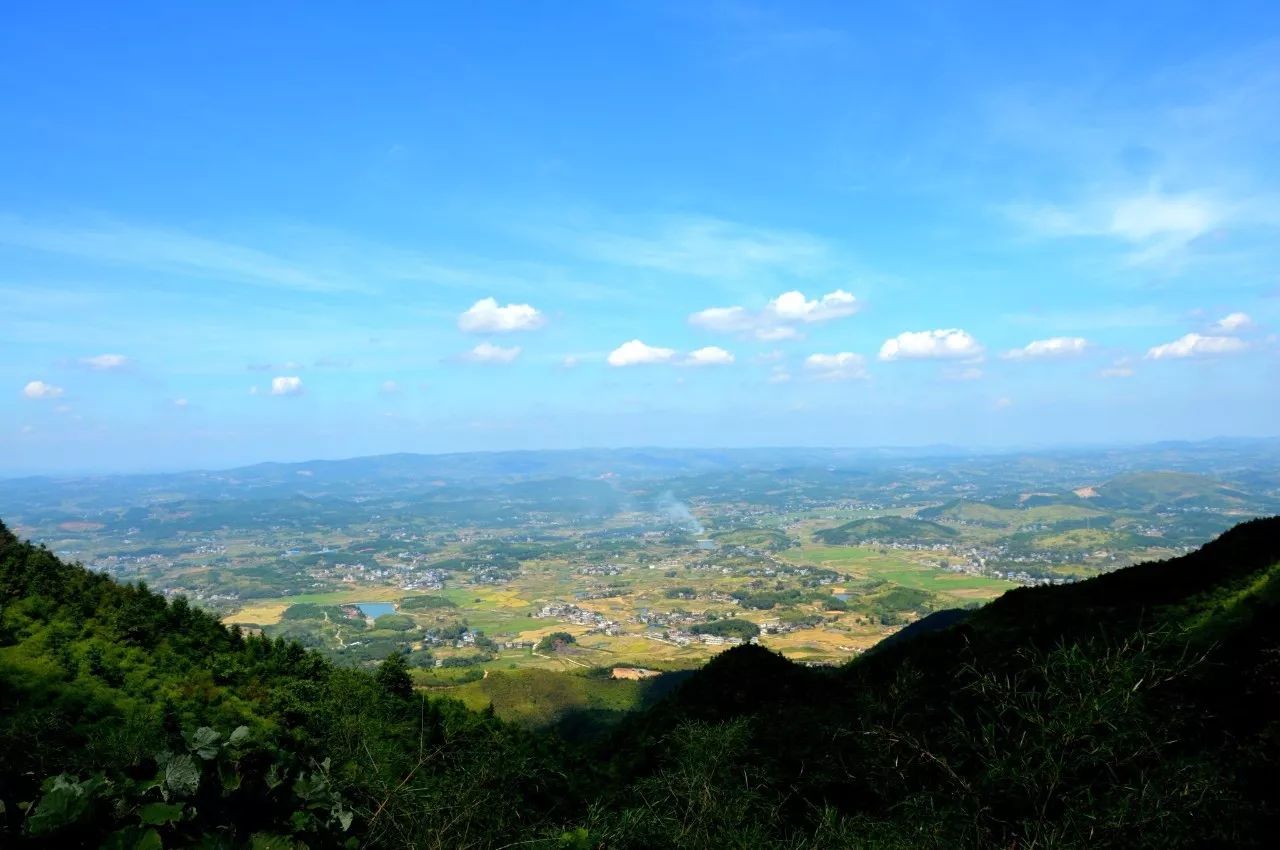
374 610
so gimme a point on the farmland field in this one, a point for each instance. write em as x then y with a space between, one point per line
611 559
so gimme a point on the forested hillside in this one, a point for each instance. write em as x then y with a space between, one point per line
1141 708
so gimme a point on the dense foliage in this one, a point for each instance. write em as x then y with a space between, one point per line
1138 709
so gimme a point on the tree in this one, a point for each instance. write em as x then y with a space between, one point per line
393 676
555 640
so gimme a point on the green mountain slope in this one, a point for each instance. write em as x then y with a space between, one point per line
129 721
1137 709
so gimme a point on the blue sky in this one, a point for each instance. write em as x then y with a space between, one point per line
275 231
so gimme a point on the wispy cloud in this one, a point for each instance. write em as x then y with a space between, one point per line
487 352
1197 345
698 246
1153 227
105 362
1058 346
296 257
1233 323
169 251
842 366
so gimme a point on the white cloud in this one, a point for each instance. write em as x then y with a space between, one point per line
636 353
389 388
837 367
1233 323
1196 345
105 362
1158 227
1155 216
794 307
945 344
779 375
286 385
487 352
180 402
711 355
1002 403
779 318
724 319
1058 346
487 316
41 390
569 361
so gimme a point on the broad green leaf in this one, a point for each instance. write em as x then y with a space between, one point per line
159 814
65 801
133 838
239 736
204 742
182 774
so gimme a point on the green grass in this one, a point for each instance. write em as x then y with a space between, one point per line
533 697
900 569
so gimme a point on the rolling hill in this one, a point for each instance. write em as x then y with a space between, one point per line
887 529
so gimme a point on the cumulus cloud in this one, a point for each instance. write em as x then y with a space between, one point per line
41 390
180 402
286 385
1233 323
779 375
842 366
1196 345
794 307
1058 346
636 353
389 388
487 352
487 316
778 320
105 362
711 355
944 344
